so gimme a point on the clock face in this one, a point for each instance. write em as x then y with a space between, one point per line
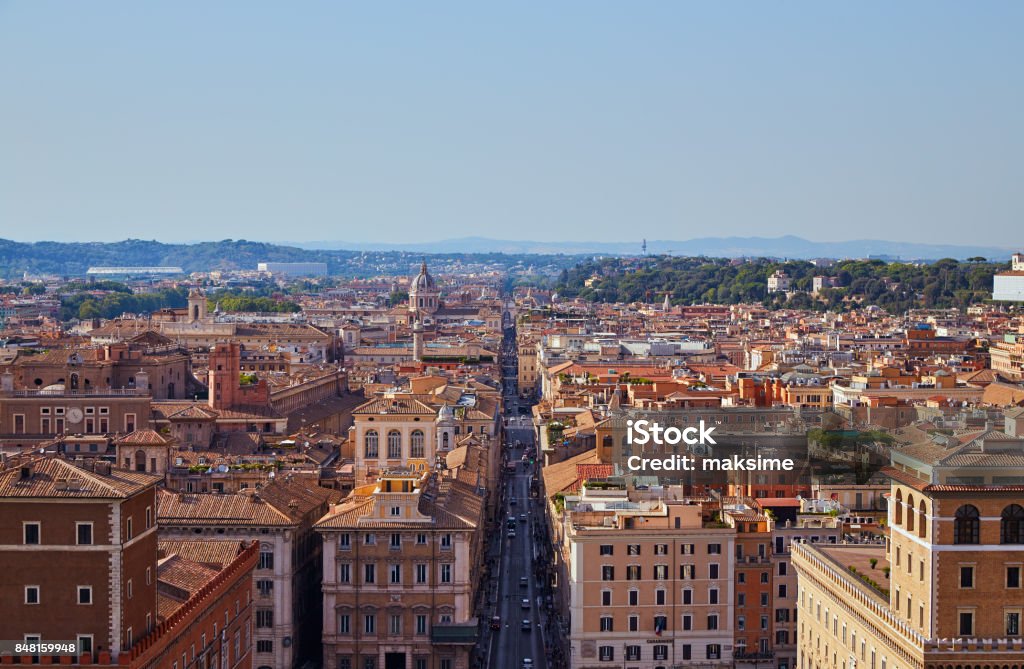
74 415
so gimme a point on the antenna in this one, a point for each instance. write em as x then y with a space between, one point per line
644 246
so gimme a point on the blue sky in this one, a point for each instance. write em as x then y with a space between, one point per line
550 121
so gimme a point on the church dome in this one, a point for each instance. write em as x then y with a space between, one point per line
423 281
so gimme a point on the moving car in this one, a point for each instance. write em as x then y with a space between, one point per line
526 626
527 663
526 603
495 622
511 534
523 582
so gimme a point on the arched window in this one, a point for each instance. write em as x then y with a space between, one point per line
444 441
910 513
140 460
967 525
922 529
371 443
394 445
899 507
416 444
1011 525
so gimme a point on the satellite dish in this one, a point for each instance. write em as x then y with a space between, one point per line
223 469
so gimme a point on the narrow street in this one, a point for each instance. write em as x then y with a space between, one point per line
517 604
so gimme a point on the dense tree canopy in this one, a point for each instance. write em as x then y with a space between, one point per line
892 286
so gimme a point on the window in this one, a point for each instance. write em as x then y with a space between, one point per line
31 533
421 624
266 559
686 549
764 599
344 573
446 573
394 445
1013 623
396 573
31 594
416 444
606 653
395 625
660 624
369 573
421 573
661 652
687 622
421 539
659 597
149 516
713 596
1011 525
634 623
607 624
129 589
345 541
686 572
83 533
966 577
266 587
687 652
1013 577
264 618
661 549
714 651
687 596
741 623
606 598
661 572
764 577
85 594
741 599
633 653
713 570
396 538
84 643
370 623
714 549
396 511
370 444
264 646
446 541
782 591
966 623
606 550
607 573
370 539
633 549
634 597
966 525
129 528
633 572
712 621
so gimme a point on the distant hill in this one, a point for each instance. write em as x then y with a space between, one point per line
73 259
787 246
352 259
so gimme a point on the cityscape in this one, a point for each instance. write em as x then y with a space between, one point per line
283 468
461 335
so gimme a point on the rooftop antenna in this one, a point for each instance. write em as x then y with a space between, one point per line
644 246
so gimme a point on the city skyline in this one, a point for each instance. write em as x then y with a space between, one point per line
370 124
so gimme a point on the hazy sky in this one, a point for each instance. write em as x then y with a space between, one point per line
384 121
